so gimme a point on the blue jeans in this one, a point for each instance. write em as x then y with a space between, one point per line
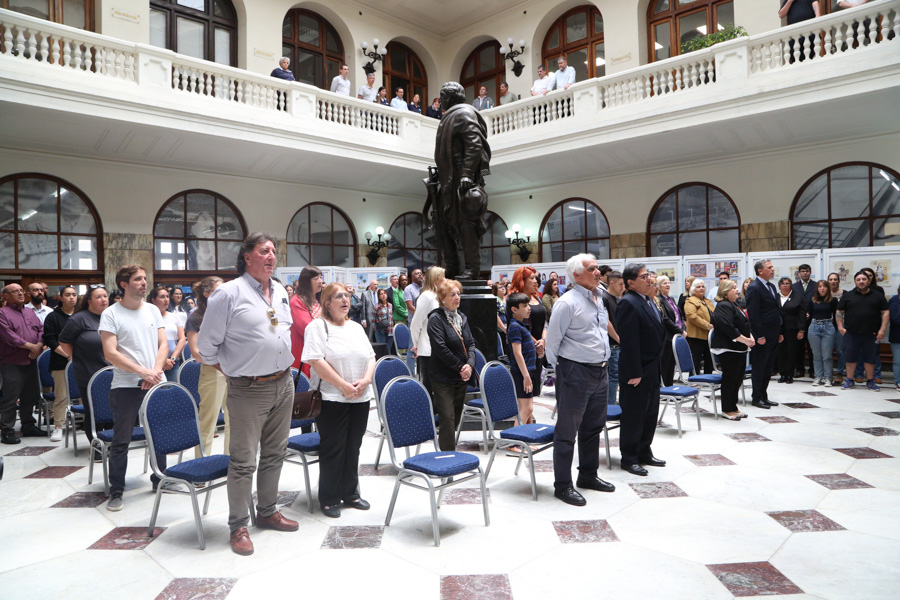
613 374
895 350
841 366
382 337
821 340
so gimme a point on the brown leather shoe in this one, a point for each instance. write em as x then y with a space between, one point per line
240 542
277 521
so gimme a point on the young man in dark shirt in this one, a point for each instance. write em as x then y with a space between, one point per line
523 367
862 318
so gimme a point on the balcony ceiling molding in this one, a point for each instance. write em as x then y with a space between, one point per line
438 17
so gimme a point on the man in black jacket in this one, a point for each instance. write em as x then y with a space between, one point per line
764 310
641 334
805 288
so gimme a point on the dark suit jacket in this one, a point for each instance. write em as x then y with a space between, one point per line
669 322
797 288
793 313
729 322
764 310
368 311
640 333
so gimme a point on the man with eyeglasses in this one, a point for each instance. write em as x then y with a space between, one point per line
246 335
21 342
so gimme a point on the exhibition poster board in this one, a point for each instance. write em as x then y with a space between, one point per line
786 263
670 266
505 272
289 275
360 277
708 266
846 262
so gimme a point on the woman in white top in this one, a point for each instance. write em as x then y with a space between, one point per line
418 327
343 363
159 297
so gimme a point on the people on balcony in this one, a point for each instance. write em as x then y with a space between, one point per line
505 95
483 101
416 104
565 75
341 82
543 83
398 102
368 92
434 111
798 11
382 97
281 71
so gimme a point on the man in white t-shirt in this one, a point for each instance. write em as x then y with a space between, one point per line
368 92
543 83
134 343
341 82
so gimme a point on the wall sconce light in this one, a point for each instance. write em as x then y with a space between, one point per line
512 54
375 55
377 244
513 236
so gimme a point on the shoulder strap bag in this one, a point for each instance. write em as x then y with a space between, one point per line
308 405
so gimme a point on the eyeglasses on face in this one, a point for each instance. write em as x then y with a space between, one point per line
644 276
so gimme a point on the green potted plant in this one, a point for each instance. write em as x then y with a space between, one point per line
705 41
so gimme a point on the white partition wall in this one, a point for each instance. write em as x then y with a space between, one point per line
708 266
289 275
360 277
787 261
885 261
670 266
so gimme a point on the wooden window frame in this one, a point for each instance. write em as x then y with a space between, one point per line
677 231
498 73
55 10
354 245
322 52
389 73
406 249
173 10
673 15
564 240
589 42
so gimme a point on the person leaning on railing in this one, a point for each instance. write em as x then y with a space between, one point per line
282 71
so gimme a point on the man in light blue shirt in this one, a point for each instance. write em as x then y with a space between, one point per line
398 102
565 76
341 83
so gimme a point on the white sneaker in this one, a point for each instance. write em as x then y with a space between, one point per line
817 382
56 436
829 383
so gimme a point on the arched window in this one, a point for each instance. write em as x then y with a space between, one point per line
847 205
314 47
577 35
204 29
322 235
198 231
403 68
573 226
74 13
412 246
484 67
495 248
693 218
47 224
670 23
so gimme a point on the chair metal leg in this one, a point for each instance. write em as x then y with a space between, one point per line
91 465
665 406
146 458
155 511
462 418
104 457
197 522
390 512
380 446
440 497
484 433
487 471
678 418
533 480
309 500
697 410
484 502
608 457
208 498
434 519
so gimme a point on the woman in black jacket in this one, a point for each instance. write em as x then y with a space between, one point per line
53 325
674 325
452 362
793 315
731 340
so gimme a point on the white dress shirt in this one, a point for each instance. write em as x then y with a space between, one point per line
340 85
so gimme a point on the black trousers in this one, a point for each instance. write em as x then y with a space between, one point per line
762 363
20 382
787 353
448 404
733 367
802 346
582 393
422 363
667 364
125 404
640 412
341 429
700 355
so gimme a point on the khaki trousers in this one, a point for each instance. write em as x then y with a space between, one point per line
61 393
212 388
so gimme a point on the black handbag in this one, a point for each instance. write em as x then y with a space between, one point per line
308 405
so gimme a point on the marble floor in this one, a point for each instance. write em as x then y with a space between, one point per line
800 501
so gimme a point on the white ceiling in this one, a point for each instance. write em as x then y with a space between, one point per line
439 17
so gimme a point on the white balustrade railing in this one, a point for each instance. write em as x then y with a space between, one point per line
35 40
203 78
356 113
531 112
839 33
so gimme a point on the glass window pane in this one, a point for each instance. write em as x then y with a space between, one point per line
396 257
664 217
201 255
298 230
332 69
661 41
574 214
73 13
37 205
157 28
661 6
308 67
7 205
552 253
320 224
223 46
722 242
573 248
228 252
33 8
413 231
813 203
171 219
502 255
7 251
228 225
343 256
417 70
223 9
190 35
341 229
167 256
75 215
811 236
195 4
332 41
286 29
469 70
887 233
552 231
686 2
721 211
576 27
308 30
430 258
850 234
201 218
692 209
724 15
579 60
38 251
885 193
599 59
429 241
598 23
663 245
553 42
397 56
692 26
850 192
599 248
78 253
470 94
596 223
692 243
297 255
487 59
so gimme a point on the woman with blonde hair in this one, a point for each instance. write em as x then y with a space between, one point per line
698 311
741 301
731 340
418 327
687 292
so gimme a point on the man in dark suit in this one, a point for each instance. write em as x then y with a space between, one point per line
805 288
641 334
764 310
369 302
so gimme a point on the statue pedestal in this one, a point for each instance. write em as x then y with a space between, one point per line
480 307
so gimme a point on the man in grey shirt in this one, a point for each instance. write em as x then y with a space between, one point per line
578 343
246 335
368 92
341 82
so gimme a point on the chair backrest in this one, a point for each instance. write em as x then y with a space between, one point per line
186 352
169 416
302 383
500 351
402 337
480 362
98 396
74 391
189 377
408 416
682 353
387 368
43 367
498 392
715 357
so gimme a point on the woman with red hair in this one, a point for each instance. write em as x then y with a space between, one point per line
525 280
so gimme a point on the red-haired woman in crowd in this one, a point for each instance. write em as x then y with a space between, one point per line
525 280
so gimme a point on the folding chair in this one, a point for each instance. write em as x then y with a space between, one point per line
402 344
386 369
45 380
98 398
303 450
677 396
501 351
499 394
172 425
685 364
74 412
613 414
473 409
408 421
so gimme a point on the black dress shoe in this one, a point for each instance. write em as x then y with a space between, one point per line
357 503
653 461
333 511
8 437
570 496
772 402
635 470
789 380
33 431
761 404
595 483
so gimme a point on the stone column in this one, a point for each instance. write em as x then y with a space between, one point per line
764 237
627 245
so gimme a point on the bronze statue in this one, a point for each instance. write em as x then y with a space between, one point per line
456 188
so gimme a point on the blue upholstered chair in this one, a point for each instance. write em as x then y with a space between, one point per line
74 411
301 384
409 421
189 377
98 398
677 396
499 394
46 381
303 450
685 364
169 415
402 344
387 368
473 409
613 421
